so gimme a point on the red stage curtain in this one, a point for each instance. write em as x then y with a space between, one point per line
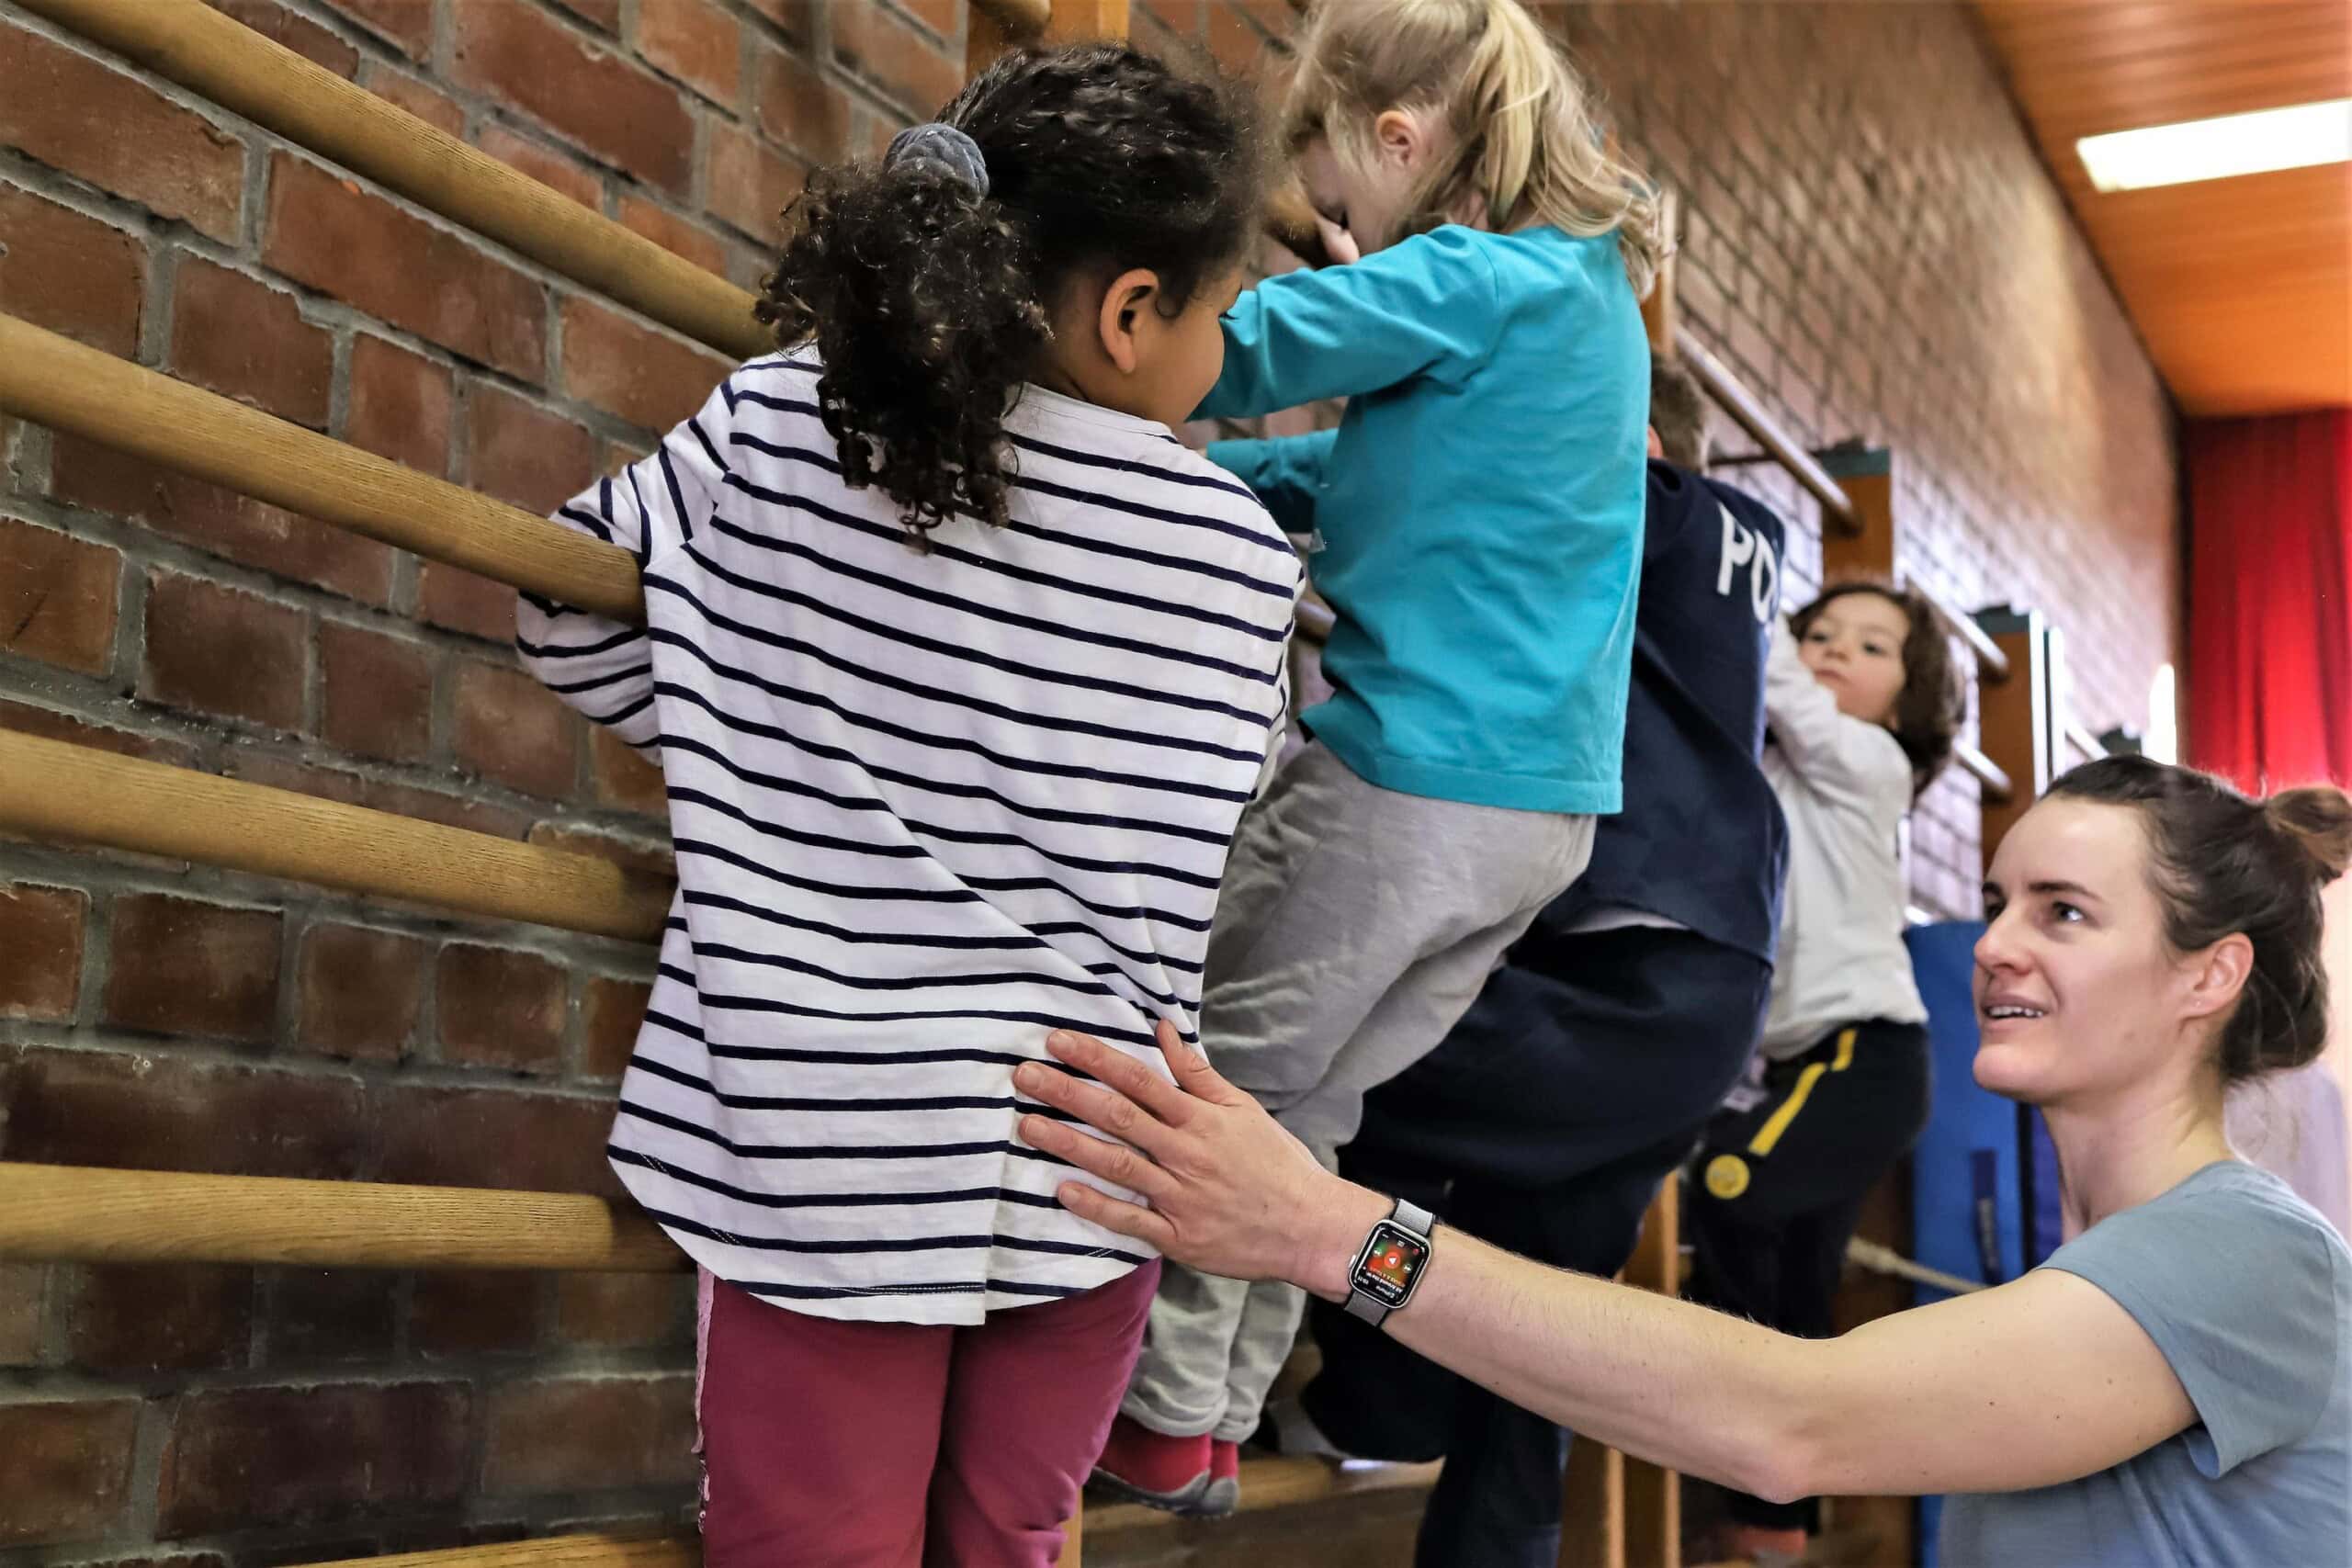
2270 598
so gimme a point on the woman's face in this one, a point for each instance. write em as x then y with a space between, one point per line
2078 994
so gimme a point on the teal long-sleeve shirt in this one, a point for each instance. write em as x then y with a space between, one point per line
1478 508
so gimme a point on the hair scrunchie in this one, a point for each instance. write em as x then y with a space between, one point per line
942 147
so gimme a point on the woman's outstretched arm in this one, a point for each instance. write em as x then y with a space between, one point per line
2037 1382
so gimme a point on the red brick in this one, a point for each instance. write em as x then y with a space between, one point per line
650 861
24 1299
610 1012
293 1456
622 1311
462 600
356 246
142 1112
552 169
605 14
798 18
800 106
895 57
449 810
407 24
751 183
622 777
675 233
512 729
647 377
58 597
303 36
696 41
376 693
130 1318
520 453
576 1434
473 1311
499 1008
71 274
402 405
69 1468
516 1139
252 533
330 1314
587 93
112 130
223 652
40 931
249 341
50 725
183 967
363 991
942 17
433 106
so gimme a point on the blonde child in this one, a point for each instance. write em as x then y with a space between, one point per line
1861 704
1475 522
960 668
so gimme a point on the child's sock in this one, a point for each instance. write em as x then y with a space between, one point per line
1155 1468
1223 1494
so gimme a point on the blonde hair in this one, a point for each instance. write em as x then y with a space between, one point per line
1525 140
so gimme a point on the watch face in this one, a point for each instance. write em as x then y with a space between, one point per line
1391 1263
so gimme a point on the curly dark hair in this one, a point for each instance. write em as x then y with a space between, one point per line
2221 862
1928 709
930 303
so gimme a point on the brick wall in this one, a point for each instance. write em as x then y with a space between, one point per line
1870 242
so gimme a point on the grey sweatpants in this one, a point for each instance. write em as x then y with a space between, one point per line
1355 928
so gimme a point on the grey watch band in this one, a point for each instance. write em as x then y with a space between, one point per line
1414 1218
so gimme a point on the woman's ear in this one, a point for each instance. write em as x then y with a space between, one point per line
1131 296
2219 975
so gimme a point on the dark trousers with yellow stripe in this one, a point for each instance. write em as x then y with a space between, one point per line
1777 1190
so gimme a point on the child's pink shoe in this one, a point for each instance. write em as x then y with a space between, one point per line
1141 1465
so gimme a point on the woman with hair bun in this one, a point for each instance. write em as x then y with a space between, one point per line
2172 1387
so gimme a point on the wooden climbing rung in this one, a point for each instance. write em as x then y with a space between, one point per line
550 1551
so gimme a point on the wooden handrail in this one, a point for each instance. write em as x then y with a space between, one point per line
69 1214
1991 662
55 381
208 52
52 789
598 1550
1730 394
2084 741
1022 19
1986 772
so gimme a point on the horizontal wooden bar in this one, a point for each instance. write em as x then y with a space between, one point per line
52 789
1986 771
67 1213
206 51
55 381
1732 396
600 1550
2083 740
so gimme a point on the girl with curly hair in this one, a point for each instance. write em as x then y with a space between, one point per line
960 668
1862 702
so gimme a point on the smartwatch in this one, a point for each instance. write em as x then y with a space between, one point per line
1395 1257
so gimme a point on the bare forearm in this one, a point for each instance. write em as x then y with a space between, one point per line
1660 1379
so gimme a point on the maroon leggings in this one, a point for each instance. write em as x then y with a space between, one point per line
828 1444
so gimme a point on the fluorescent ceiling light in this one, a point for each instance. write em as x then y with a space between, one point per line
2294 138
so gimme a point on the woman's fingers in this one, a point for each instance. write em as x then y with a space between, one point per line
1114 1162
1128 1219
1125 1075
1193 1075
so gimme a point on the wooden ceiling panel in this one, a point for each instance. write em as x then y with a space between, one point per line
2243 287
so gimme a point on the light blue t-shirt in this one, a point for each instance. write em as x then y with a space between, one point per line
2248 1294
1479 506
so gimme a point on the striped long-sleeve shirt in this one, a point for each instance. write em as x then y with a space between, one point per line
926 807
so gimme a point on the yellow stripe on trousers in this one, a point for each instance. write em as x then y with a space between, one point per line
1769 1133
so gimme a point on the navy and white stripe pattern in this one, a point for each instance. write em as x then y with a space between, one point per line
926 807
